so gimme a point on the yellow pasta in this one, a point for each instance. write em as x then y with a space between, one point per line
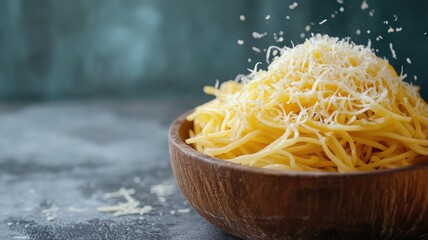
325 105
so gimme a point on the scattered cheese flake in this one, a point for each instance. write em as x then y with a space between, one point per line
240 42
323 21
172 212
425 33
395 18
257 50
308 28
390 30
340 1
385 22
161 191
50 213
371 13
281 33
409 61
368 31
293 5
415 77
364 5
275 52
184 210
267 17
394 55
249 60
332 15
9 224
130 207
341 9
302 35
287 17
398 29
137 180
242 18
280 39
77 210
358 32
257 35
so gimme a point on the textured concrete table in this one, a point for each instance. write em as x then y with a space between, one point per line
57 161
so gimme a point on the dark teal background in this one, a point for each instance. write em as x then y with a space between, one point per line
62 49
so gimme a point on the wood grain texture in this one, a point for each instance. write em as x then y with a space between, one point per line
254 203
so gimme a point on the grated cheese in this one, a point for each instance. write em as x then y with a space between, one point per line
341 9
293 5
242 18
162 191
130 207
50 213
408 61
323 21
240 42
390 30
398 29
280 39
394 55
308 28
257 50
267 17
364 5
257 35
184 210
358 32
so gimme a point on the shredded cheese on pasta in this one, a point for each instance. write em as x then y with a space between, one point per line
325 105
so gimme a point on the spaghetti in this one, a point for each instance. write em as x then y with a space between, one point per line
325 105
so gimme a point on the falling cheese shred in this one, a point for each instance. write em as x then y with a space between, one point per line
326 105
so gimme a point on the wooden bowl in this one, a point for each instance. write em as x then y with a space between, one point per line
255 203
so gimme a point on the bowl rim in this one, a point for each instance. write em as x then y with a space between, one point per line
174 138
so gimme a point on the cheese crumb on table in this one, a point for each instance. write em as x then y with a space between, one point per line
130 207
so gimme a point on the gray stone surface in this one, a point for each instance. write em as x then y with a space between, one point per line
70 154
